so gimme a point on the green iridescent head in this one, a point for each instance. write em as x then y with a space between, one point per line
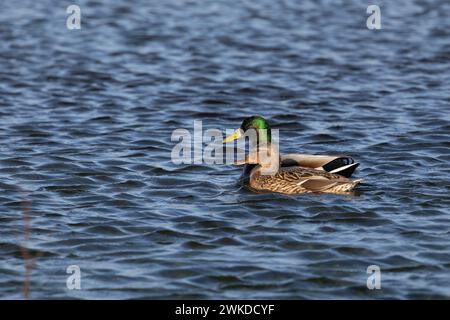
257 123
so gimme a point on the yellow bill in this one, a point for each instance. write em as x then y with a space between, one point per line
236 135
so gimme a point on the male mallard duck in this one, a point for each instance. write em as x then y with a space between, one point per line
266 170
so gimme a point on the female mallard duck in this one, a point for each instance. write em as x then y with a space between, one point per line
266 170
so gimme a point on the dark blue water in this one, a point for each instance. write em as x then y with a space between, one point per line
86 118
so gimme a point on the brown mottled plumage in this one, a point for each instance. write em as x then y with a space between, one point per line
297 179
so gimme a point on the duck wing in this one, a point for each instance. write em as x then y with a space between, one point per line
342 165
297 179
